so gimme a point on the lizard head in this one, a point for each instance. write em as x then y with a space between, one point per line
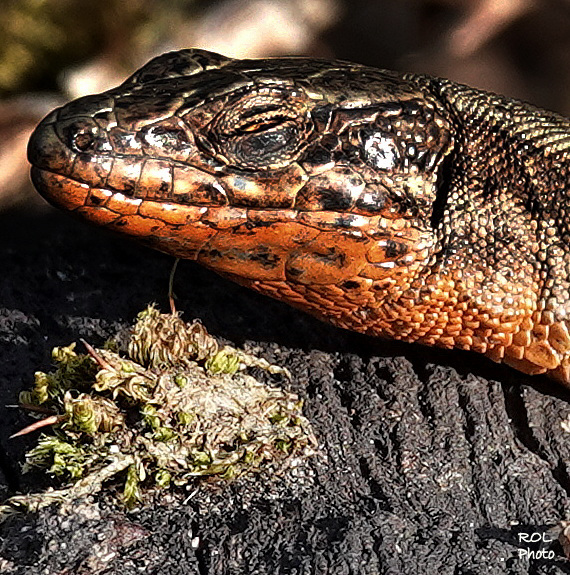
195 152
279 172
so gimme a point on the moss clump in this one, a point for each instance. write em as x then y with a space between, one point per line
174 407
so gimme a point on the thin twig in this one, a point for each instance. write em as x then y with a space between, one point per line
171 294
96 355
36 408
52 420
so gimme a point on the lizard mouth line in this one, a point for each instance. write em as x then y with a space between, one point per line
113 209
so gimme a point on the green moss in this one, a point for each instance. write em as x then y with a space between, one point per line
173 408
73 372
223 362
59 457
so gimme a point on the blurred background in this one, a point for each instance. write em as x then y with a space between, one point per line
55 50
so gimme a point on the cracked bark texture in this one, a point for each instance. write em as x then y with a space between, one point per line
430 462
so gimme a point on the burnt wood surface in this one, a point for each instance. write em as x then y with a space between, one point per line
430 461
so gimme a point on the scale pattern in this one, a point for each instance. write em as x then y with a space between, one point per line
398 205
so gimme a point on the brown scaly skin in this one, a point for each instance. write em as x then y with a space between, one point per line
400 206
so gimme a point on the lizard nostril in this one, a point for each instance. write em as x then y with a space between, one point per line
83 141
83 135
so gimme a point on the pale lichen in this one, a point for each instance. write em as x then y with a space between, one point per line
175 407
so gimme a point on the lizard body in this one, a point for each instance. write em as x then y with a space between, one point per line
398 205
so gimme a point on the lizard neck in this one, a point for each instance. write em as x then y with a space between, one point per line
523 124
504 223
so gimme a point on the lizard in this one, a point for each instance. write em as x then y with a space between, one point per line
397 205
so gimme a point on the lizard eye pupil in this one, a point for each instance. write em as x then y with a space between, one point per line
268 143
260 125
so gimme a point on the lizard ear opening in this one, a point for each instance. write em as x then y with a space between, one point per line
409 134
405 148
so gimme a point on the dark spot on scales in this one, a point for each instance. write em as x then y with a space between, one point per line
345 221
322 114
294 272
317 157
252 225
331 257
264 256
395 249
128 189
335 200
96 200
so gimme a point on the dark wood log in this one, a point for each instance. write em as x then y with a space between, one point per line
430 461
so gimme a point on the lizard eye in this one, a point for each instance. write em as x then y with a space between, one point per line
268 147
262 131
